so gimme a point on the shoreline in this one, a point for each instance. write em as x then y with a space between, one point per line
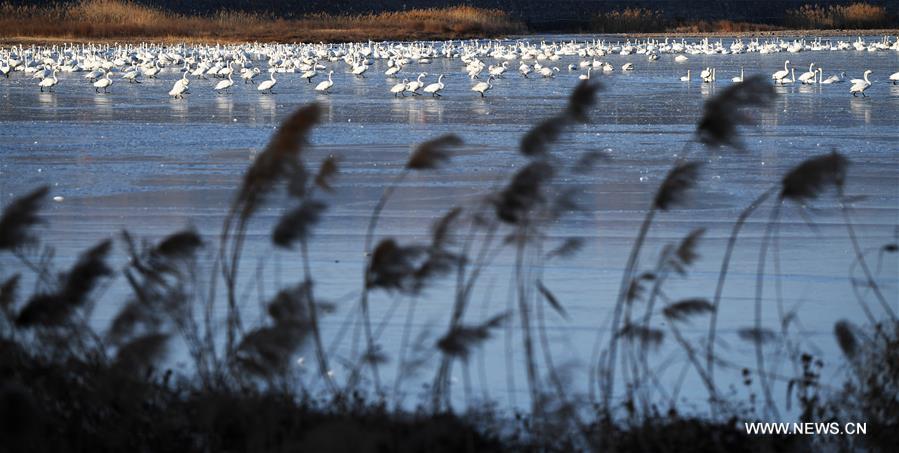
424 36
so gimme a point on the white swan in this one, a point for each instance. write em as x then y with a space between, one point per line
685 78
791 79
740 78
181 85
808 77
833 79
861 86
132 75
104 83
49 82
434 89
894 77
325 85
268 84
482 87
627 67
414 86
153 71
360 70
585 76
308 75
399 88
780 75
248 74
224 84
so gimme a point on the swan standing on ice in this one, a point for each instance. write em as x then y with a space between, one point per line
325 85
269 84
414 86
49 82
104 83
894 77
779 76
181 85
248 74
859 86
153 71
434 89
399 88
225 84
524 69
482 87
308 75
132 75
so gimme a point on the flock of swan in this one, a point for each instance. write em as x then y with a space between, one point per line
483 62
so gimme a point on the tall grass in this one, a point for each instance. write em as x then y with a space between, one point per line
246 391
122 19
858 15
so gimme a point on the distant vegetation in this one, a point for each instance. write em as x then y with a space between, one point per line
128 20
855 16
69 384
122 19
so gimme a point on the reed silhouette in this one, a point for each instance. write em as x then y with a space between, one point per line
115 388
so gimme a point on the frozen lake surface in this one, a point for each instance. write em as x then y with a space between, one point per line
137 159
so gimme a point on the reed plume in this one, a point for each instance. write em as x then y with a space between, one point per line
684 309
52 309
140 354
267 351
524 191
296 224
681 178
582 99
843 332
757 335
808 179
19 217
326 173
433 153
459 341
646 337
724 112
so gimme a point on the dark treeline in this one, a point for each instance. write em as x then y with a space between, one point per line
538 14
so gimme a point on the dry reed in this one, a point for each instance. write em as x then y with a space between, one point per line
854 15
123 19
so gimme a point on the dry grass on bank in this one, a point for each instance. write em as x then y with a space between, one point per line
643 20
121 19
857 15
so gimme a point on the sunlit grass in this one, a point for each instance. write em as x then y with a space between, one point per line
108 19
